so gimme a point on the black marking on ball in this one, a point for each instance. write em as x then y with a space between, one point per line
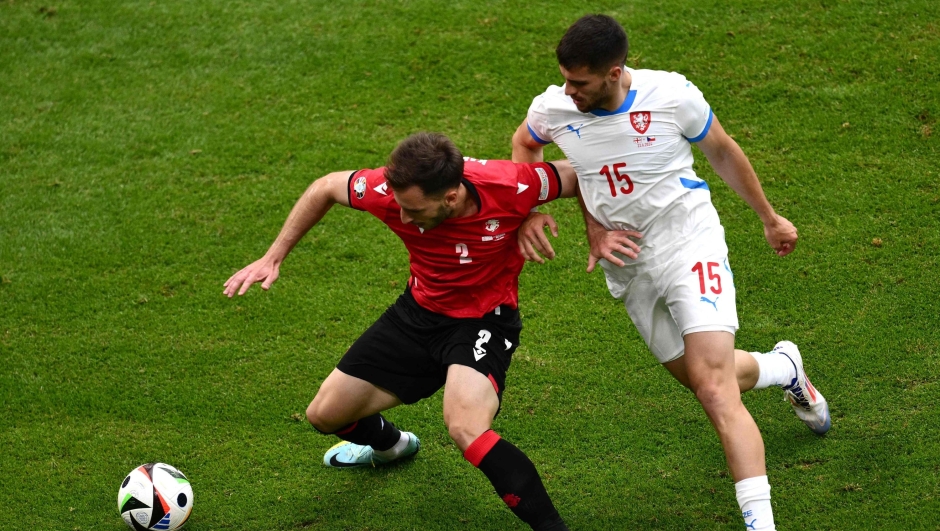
181 500
126 481
136 525
175 473
156 513
133 503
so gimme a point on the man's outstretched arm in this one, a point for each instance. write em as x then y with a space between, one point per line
732 165
319 197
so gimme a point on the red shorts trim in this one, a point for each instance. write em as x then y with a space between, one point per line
493 381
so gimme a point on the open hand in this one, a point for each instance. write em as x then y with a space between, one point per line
264 270
532 239
604 243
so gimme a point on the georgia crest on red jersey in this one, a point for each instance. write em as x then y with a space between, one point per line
465 267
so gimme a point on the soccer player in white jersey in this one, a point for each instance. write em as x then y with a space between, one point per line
653 229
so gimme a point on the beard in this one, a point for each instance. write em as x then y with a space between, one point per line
442 213
596 101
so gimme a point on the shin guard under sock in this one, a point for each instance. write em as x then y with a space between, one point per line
516 481
373 431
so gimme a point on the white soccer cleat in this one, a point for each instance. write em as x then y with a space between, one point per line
345 454
807 402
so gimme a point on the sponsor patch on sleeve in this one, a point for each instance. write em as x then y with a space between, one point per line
360 187
543 177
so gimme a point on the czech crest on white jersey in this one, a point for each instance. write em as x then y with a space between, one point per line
640 121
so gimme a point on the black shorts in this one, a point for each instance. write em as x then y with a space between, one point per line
408 350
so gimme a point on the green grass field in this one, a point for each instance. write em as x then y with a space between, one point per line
150 149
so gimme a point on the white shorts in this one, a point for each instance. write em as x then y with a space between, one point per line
690 289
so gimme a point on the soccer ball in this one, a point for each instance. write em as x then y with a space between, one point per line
155 496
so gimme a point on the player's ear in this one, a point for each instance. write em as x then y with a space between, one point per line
615 73
450 197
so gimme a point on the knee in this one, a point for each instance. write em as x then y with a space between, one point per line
717 399
320 418
464 432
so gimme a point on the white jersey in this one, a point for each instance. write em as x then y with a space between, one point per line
634 164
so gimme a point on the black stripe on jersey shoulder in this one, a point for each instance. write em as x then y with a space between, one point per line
557 178
349 189
473 192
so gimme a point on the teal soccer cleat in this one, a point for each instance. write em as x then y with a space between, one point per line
348 455
807 402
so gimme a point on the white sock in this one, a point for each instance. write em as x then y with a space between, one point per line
394 451
754 499
775 369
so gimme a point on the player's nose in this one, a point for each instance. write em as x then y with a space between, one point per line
405 218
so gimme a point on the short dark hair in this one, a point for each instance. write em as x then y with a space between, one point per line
427 160
595 41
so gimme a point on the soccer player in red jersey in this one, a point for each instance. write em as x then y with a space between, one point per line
456 325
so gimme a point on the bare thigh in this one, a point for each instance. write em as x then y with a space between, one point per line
470 403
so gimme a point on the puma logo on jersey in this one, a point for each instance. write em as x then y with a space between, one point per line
714 303
576 131
382 188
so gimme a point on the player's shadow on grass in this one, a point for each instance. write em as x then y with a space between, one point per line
429 492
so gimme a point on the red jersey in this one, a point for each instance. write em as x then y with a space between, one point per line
466 266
